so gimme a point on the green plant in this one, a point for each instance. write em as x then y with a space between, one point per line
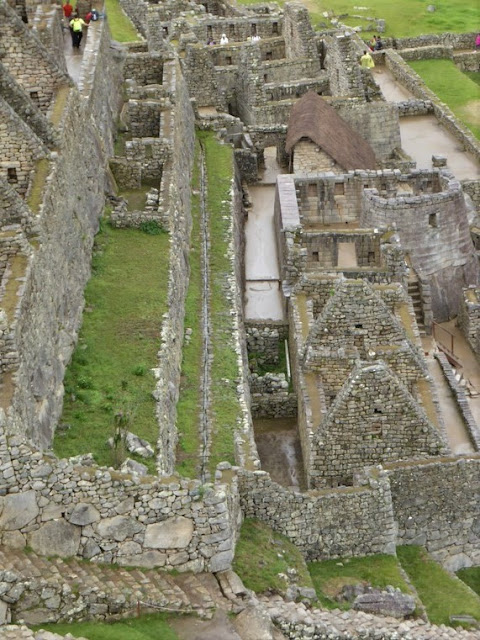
152 228
139 370
442 594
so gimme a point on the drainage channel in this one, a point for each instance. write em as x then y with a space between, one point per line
204 415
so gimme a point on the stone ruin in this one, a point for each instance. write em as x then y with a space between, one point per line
378 467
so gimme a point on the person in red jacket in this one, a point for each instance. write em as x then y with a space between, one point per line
67 10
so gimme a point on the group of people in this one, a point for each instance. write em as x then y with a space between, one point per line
375 43
76 23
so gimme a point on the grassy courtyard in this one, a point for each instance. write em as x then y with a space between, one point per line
109 380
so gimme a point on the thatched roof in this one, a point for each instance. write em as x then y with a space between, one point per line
312 117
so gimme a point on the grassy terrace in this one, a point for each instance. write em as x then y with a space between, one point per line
330 576
442 594
460 91
120 25
224 370
405 18
471 576
150 627
109 381
262 554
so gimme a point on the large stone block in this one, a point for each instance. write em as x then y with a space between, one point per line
57 537
147 559
174 533
119 528
84 514
18 510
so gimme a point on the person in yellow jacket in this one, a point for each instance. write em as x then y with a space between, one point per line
76 29
367 61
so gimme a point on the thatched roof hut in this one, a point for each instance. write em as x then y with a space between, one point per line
313 118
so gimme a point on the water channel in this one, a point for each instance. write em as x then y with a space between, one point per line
421 136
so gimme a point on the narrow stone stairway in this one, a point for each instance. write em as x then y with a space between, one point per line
40 589
415 295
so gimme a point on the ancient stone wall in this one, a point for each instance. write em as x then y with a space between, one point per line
265 338
237 29
144 68
170 352
345 522
270 397
28 61
47 24
71 508
469 317
436 505
298 32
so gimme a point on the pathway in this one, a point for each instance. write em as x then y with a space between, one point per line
262 275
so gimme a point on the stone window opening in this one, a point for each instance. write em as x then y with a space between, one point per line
265 78
34 97
228 60
359 326
371 257
339 189
269 55
165 31
231 28
432 220
275 28
315 256
12 175
377 410
312 190
254 29
209 31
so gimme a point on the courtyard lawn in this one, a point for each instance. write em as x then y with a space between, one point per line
109 381
406 18
442 594
471 576
330 576
460 91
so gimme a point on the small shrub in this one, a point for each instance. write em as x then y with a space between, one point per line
139 370
84 383
152 228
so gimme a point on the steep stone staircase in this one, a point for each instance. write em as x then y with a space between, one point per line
41 589
415 295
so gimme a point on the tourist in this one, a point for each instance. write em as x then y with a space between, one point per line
210 42
367 61
76 28
88 17
67 10
477 42
373 43
224 39
255 38
379 44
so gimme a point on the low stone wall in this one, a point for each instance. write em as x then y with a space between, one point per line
355 521
265 338
71 508
430 52
472 188
270 397
461 399
414 107
436 505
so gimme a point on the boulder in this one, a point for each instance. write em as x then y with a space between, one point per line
136 445
392 603
132 466
174 533
119 528
254 623
83 514
56 537
18 510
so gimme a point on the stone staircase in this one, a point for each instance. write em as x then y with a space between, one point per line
40 589
416 296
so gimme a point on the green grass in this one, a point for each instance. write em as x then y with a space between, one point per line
471 576
458 90
406 18
121 28
442 594
189 400
224 372
109 374
261 554
148 627
330 576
